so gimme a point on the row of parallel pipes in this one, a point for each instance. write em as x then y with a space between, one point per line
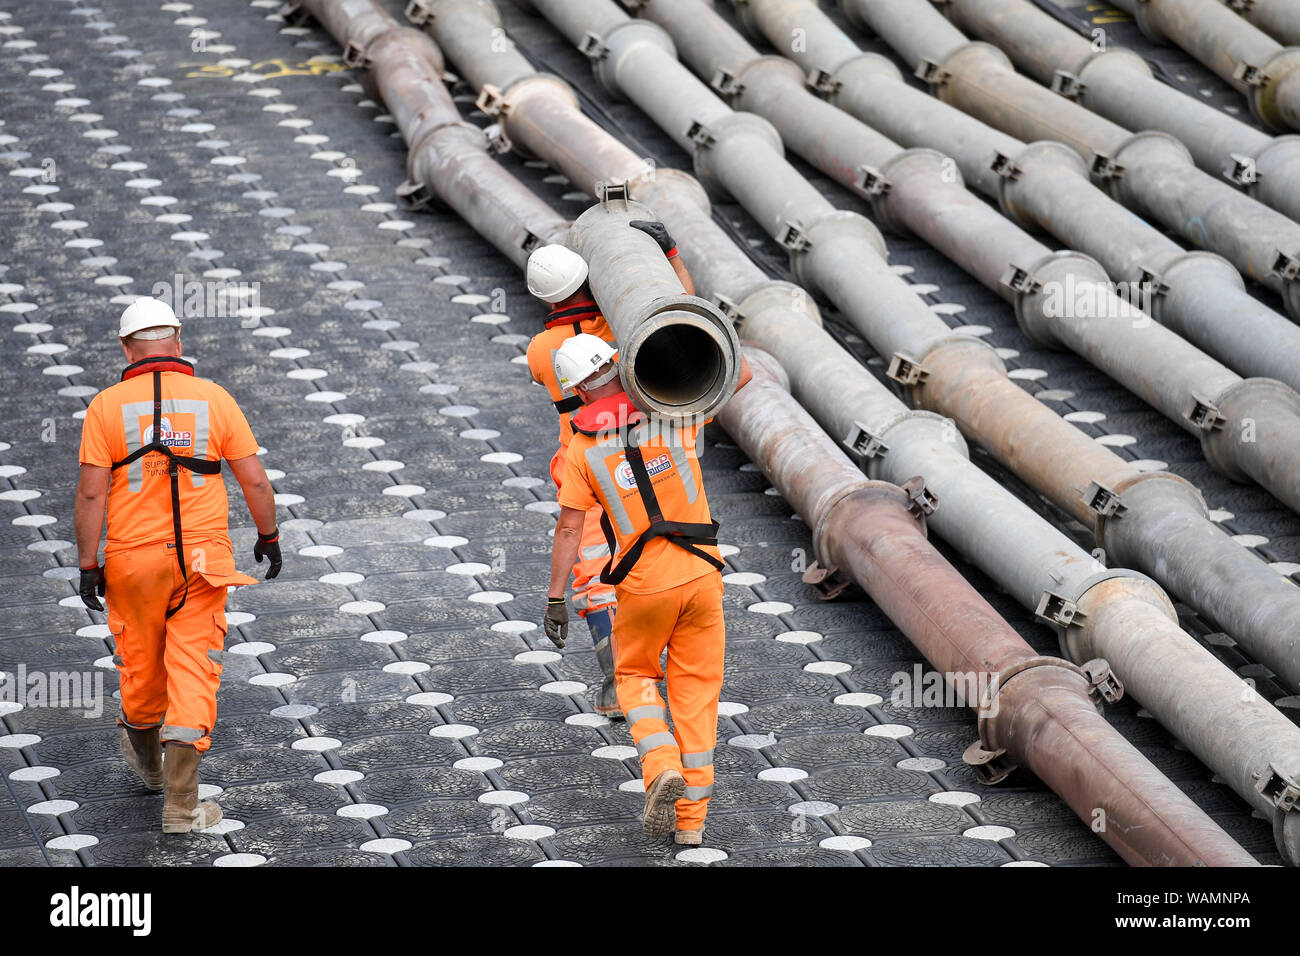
1118 84
1197 294
840 254
1149 521
1150 172
1154 523
1247 58
1044 716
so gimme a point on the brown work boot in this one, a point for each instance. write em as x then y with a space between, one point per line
660 816
689 837
142 751
182 811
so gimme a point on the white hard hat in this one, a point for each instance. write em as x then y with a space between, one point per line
579 358
555 272
146 313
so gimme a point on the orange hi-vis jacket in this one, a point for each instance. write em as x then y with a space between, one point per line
646 476
199 420
562 325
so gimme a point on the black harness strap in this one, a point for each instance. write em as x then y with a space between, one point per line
175 462
686 535
578 311
564 405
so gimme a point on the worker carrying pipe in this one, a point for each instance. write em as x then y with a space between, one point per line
151 451
644 472
558 276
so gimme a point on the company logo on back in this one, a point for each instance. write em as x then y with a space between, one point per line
626 480
169 436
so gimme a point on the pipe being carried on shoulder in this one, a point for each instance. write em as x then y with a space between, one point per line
679 357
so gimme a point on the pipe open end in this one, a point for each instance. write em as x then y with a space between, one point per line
680 366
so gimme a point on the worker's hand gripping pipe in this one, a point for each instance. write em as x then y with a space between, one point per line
1036 712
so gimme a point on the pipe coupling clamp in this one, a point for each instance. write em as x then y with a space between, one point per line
1271 86
989 761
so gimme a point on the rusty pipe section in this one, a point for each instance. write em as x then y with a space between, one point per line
1079 475
1187 688
1118 84
1150 172
1280 19
1051 573
1041 714
483 58
448 158
1144 639
678 357
1251 61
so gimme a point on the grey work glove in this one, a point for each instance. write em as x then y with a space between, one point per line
556 622
659 233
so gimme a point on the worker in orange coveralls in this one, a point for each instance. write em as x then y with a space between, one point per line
665 566
151 451
558 276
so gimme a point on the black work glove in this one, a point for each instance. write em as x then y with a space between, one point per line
268 546
92 583
556 621
659 233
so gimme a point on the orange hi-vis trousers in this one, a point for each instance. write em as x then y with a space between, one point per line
687 620
589 592
170 667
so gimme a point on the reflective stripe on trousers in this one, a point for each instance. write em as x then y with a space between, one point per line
687 621
170 667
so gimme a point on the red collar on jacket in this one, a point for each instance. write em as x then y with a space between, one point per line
614 412
584 310
157 363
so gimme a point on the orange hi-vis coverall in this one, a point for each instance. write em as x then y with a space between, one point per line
589 593
646 476
167 616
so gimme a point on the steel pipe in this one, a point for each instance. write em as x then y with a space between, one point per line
1047 572
1040 715
1248 59
1118 84
1280 19
1150 172
448 158
1198 295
